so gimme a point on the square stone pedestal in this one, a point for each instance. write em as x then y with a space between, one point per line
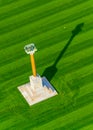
38 89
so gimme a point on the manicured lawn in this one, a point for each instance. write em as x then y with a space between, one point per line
62 31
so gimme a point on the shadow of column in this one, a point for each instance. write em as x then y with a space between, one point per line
50 71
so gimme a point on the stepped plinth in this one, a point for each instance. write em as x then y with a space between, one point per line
39 88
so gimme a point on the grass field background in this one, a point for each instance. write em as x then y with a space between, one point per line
65 57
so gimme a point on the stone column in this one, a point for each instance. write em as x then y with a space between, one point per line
33 64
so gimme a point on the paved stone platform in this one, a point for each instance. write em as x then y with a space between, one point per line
33 96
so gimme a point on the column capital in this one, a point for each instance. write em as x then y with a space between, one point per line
30 48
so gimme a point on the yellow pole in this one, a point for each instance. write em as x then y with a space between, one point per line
33 64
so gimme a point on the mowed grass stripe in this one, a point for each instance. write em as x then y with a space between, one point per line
18 65
79 124
88 127
59 52
14 25
13 6
81 72
3 3
69 59
86 88
18 79
86 80
73 96
52 33
70 110
81 80
20 7
68 118
64 71
82 83
73 49
74 89
7 90
60 34
31 7
7 123
44 120
27 35
32 15
41 29
61 111
77 56
76 65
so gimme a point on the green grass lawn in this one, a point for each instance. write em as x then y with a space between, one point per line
62 30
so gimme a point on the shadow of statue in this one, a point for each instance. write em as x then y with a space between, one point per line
50 71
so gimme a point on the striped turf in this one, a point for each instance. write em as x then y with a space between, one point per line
43 22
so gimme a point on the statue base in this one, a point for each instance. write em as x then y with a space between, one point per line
37 90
